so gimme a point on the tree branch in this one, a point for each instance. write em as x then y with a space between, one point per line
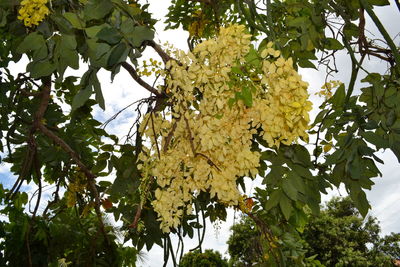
367 6
164 56
136 77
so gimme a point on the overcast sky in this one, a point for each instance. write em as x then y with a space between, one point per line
384 196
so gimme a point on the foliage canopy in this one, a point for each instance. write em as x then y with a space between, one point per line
232 106
339 236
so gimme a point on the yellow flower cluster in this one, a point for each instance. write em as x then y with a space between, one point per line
282 111
205 143
77 186
148 69
327 89
33 11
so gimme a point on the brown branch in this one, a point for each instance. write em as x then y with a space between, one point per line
140 207
191 138
67 149
39 175
164 56
154 134
137 217
136 77
27 164
169 137
74 156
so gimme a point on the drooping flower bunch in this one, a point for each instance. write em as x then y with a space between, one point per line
205 142
328 88
33 11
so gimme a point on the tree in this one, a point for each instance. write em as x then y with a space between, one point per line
339 236
232 106
208 258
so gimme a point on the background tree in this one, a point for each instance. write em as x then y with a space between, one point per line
208 258
166 175
339 236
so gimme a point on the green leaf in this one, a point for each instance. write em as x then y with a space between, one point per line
289 189
40 69
81 97
101 165
396 150
273 200
91 32
354 168
33 41
118 54
297 182
68 41
305 63
360 201
97 9
332 44
247 97
350 30
97 90
109 35
375 139
252 57
71 58
139 35
379 2
75 21
338 98
286 206
108 147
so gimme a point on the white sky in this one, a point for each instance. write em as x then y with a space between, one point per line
384 196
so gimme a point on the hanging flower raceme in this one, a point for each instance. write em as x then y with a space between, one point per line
33 11
205 142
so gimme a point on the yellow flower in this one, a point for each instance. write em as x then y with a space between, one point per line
211 142
32 12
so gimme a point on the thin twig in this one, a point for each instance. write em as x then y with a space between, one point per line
169 137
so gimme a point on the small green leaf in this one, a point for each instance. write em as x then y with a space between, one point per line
247 97
375 139
305 63
101 165
97 9
338 98
118 54
252 57
289 189
40 68
81 97
108 147
109 35
139 35
97 90
75 21
68 41
360 201
33 41
273 200
332 44
396 150
379 2
91 32
286 206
